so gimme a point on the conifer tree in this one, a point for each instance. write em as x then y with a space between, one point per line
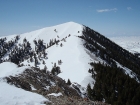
43 62
69 82
61 44
89 91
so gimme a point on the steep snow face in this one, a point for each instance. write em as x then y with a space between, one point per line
70 51
130 43
10 95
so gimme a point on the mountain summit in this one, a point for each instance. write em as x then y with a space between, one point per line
92 64
69 50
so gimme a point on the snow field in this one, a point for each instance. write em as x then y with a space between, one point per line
130 43
10 95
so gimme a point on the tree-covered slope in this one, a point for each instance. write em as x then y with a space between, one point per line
113 86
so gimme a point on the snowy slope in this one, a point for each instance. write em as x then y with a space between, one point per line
10 69
70 50
130 43
48 33
9 95
74 56
6 67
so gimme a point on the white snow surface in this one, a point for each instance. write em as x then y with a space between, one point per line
10 95
74 56
130 43
56 94
8 68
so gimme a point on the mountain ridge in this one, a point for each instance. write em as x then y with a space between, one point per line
71 51
63 32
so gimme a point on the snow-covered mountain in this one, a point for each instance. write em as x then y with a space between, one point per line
74 56
70 51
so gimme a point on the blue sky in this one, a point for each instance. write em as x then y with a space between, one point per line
108 17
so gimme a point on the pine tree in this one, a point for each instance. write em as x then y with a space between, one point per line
45 69
61 44
59 62
89 71
89 91
24 40
43 62
47 45
53 71
69 82
57 70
